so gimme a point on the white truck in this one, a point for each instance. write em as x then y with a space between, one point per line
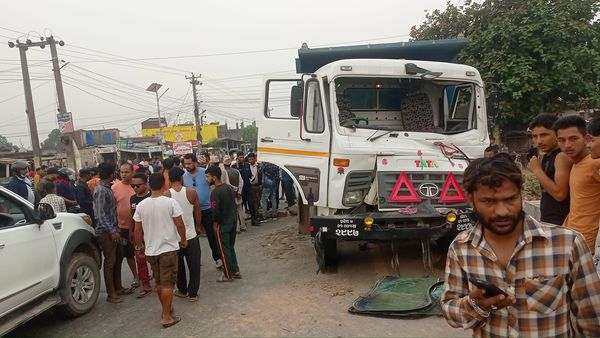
47 260
377 144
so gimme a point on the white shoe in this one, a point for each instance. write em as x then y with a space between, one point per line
219 263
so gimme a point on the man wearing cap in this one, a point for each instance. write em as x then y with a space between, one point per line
51 175
83 194
20 183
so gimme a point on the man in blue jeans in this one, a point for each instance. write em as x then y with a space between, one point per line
270 185
194 177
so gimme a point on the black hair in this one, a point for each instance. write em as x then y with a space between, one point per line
127 164
492 172
168 163
570 121
106 169
231 152
215 171
49 187
157 181
191 156
176 161
175 174
495 149
251 155
543 120
594 126
140 175
240 154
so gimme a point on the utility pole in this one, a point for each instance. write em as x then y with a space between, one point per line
35 141
67 137
64 116
199 120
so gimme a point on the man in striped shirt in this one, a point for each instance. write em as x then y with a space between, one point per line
547 272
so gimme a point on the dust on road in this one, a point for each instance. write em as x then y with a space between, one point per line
280 295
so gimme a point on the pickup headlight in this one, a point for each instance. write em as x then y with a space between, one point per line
353 197
86 218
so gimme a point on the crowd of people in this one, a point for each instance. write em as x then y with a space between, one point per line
540 278
156 212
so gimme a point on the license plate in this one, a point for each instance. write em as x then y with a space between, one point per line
347 228
464 222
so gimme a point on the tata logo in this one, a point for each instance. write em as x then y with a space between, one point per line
428 190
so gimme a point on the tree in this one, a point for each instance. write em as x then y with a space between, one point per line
540 55
4 143
53 141
249 134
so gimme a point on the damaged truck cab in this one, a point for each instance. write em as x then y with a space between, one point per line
376 144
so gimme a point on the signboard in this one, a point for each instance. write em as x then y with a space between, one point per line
65 122
182 148
185 133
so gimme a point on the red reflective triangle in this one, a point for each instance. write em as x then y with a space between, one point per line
452 182
403 180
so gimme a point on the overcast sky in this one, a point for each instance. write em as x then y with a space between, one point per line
233 44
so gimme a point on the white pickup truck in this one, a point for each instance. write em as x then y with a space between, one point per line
46 260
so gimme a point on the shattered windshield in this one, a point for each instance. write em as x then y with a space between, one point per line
406 104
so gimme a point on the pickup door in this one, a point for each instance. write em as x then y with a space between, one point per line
28 257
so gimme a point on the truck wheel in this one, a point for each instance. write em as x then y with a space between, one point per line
326 251
81 286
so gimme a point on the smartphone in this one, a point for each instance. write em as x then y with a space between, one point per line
491 290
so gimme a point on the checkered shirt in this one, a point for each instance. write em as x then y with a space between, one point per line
57 202
551 274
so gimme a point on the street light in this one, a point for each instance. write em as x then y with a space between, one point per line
154 87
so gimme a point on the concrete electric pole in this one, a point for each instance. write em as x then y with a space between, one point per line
67 137
35 141
199 121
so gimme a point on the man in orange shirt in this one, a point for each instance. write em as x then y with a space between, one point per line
584 180
593 139
123 191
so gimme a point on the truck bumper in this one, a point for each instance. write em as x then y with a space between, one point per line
387 226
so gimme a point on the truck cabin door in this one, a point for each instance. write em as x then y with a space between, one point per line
294 134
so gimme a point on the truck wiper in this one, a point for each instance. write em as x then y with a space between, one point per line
372 139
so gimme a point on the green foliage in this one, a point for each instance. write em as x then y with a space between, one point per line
249 134
541 55
53 141
4 143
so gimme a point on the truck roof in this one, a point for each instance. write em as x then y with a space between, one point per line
311 59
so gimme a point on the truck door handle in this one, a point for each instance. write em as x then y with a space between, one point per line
266 139
2 246
57 225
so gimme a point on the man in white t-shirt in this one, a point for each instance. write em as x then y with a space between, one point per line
159 225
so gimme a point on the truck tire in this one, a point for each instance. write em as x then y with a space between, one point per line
326 253
81 286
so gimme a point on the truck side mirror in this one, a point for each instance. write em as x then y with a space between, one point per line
493 105
297 96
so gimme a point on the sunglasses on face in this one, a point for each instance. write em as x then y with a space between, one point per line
135 186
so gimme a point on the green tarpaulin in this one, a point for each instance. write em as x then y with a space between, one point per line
401 297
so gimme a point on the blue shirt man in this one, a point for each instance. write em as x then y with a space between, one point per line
195 178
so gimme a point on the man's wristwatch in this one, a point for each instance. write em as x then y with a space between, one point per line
477 309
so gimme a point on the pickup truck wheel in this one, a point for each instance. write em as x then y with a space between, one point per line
81 286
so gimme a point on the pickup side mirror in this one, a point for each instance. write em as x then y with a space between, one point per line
297 96
493 105
45 212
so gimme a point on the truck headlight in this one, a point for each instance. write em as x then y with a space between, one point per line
353 197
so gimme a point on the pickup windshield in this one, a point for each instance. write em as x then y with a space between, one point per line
406 104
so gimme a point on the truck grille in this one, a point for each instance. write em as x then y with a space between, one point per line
387 181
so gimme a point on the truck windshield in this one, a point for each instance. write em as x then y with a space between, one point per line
406 104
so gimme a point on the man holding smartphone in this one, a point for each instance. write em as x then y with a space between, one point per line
546 272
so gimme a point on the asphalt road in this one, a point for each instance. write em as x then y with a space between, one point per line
280 295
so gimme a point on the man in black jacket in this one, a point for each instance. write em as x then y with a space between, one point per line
84 195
